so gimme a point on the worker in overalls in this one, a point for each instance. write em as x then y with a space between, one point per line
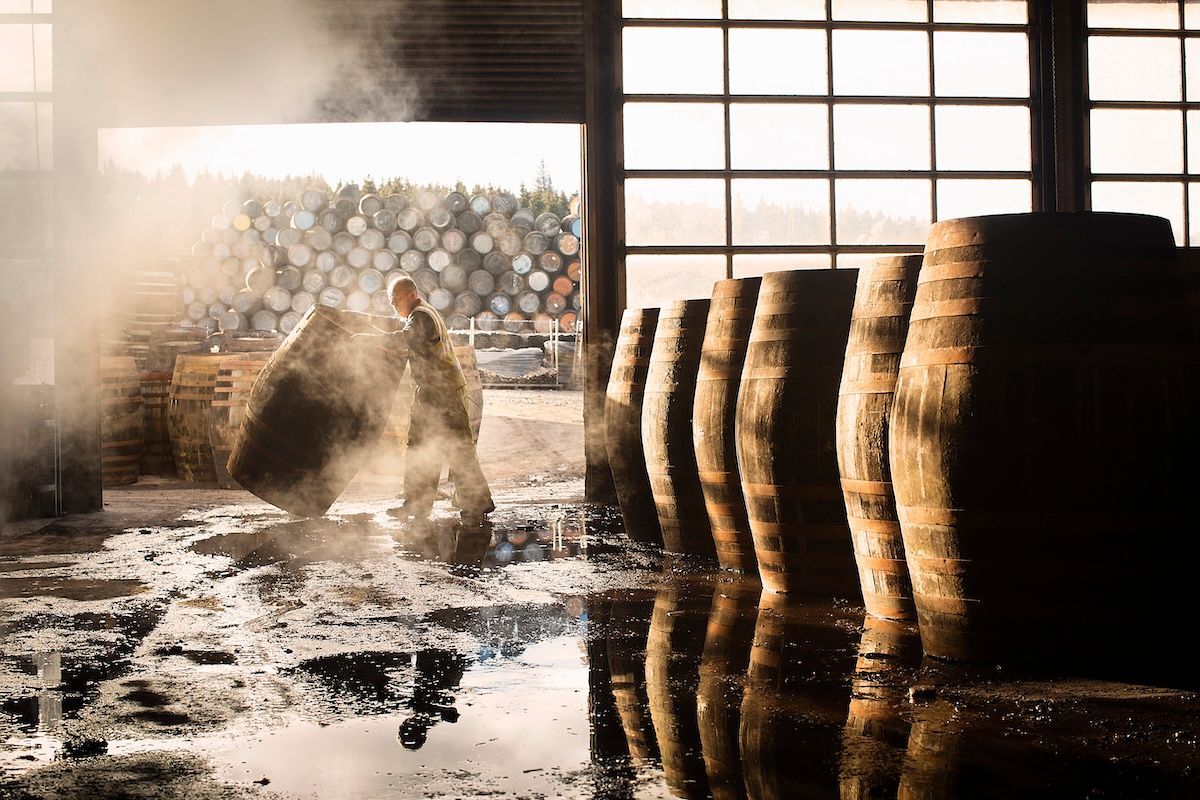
439 434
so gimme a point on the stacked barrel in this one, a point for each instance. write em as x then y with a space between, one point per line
261 264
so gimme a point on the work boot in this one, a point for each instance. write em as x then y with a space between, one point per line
476 516
412 508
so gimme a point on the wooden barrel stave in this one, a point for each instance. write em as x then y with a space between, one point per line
714 418
785 432
122 427
627 632
667 428
623 423
879 324
1029 476
156 452
192 385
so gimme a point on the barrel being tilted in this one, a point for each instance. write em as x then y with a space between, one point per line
785 432
316 410
1043 439
714 417
879 324
623 423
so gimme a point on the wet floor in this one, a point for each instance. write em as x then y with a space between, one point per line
233 651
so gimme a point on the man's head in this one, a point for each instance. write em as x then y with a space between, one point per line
405 296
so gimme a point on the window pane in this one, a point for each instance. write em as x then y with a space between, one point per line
881 137
857 65
1193 142
673 60
777 62
969 64
1137 141
1193 217
972 198
18 137
1133 14
778 136
780 211
689 211
667 9
750 265
991 11
653 281
1191 14
1133 68
16 58
983 137
1191 61
1159 199
25 7
880 10
674 136
23 219
882 211
44 44
777 9
858 260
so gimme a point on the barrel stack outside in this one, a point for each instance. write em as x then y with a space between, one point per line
1043 436
882 304
723 354
786 428
667 428
623 423
317 410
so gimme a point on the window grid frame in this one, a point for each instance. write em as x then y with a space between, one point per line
932 101
1184 178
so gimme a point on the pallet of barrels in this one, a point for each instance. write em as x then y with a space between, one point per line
484 262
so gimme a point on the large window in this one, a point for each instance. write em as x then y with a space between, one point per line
760 135
1143 72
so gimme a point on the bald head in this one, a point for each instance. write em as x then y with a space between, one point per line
405 296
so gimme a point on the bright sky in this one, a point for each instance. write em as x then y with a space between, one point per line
503 154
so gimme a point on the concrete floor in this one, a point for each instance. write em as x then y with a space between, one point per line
197 643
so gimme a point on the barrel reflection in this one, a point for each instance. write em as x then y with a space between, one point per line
719 696
673 649
796 696
629 624
877 727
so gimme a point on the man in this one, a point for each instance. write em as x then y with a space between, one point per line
440 431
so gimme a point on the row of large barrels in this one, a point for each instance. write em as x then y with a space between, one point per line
994 438
261 264
184 418
739 696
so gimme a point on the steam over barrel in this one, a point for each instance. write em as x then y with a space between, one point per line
667 428
785 432
121 423
623 423
1044 437
877 330
726 335
316 410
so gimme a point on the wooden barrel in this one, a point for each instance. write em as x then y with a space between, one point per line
726 335
235 378
250 341
719 697
785 432
878 326
623 423
627 631
795 698
316 411
163 351
192 385
1043 435
673 649
156 451
667 428
876 734
121 423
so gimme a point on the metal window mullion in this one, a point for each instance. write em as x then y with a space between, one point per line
1183 95
933 184
727 142
832 163
818 174
769 249
817 99
814 24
